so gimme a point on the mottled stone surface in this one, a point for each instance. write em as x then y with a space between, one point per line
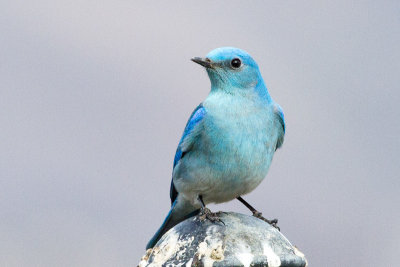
243 241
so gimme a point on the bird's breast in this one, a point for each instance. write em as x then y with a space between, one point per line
239 135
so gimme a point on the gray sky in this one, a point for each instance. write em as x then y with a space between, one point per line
94 97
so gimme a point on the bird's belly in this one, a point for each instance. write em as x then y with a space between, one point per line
237 171
230 174
229 160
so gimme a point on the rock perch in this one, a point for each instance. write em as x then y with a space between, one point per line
243 241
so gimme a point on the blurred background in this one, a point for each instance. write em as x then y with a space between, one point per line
94 96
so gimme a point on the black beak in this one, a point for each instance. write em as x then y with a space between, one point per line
205 62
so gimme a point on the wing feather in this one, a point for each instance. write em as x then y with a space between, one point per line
281 119
188 138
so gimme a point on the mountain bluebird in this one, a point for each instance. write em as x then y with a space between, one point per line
229 141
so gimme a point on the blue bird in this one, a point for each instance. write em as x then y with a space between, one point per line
228 142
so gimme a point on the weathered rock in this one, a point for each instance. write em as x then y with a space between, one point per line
243 241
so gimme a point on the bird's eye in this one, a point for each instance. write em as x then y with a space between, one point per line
236 63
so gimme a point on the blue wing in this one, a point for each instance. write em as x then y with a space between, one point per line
281 119
186 142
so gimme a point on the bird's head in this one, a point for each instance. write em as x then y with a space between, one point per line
231 69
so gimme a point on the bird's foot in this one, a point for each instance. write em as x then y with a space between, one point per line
206 213
272 222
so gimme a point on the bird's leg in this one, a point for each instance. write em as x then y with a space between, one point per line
206 213
258 214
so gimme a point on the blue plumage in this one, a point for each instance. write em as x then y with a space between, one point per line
196 116
228 142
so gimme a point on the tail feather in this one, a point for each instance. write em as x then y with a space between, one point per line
179 211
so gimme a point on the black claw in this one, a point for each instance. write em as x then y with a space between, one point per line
272 222
205 213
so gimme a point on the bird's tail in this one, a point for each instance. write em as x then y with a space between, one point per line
180 210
